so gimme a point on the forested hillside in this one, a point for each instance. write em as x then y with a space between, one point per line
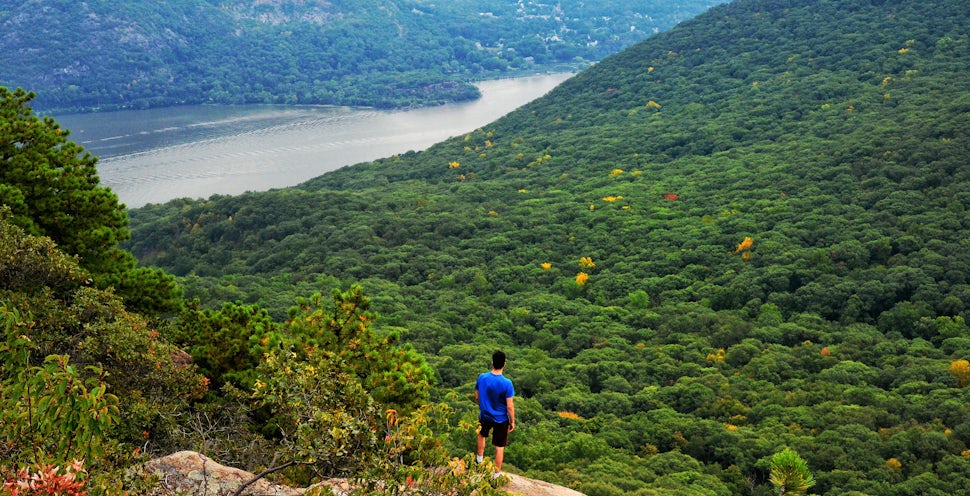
744 234
137 54
96 375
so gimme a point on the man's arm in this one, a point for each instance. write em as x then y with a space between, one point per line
511 407
476 397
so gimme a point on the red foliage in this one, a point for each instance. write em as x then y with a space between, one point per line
47 481
671 196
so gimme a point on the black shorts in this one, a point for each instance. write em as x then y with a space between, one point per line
500 432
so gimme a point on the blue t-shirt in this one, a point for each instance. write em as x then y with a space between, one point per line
493 389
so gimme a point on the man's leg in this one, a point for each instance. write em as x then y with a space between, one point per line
481 446
499 455
499 441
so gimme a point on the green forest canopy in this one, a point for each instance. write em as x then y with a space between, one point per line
743 235
832 135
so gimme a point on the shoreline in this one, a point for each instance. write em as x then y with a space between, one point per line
55 112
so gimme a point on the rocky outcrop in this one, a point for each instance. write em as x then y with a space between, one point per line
532 487
191 473
188 473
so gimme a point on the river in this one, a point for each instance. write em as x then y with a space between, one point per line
156 155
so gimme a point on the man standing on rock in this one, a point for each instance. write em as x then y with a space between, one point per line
493 393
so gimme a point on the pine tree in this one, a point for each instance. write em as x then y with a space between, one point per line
52 188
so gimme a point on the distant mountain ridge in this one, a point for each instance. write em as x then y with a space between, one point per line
136 54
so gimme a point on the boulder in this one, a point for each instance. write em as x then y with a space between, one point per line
188 472
531 487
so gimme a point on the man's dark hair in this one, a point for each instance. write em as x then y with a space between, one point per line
498 360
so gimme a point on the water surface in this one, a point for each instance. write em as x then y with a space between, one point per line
152 156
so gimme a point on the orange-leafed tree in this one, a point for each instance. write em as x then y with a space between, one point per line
961 370
744 245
